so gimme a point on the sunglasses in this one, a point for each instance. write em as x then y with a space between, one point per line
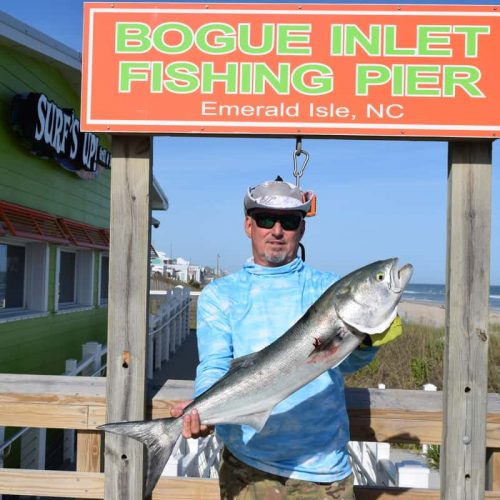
289 222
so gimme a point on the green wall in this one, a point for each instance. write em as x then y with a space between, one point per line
41 183
42 345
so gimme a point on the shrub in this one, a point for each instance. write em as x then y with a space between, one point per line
419 370
416 358
413 359
433 456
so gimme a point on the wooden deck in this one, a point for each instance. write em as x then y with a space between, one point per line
79 403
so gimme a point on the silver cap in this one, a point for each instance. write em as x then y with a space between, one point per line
277 195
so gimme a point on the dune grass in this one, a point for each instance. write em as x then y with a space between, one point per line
416 358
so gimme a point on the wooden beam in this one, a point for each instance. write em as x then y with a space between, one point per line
467 309
32 414
131 180
493 469
392 415
88 451
64 484
186 488
52 483
52 389
377 493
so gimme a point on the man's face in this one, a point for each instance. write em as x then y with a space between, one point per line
274 246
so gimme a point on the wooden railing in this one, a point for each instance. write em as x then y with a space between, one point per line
168 327
64 402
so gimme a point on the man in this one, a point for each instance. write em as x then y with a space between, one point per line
301 451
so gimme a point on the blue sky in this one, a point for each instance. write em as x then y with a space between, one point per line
376 199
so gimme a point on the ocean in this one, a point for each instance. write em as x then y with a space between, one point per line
436 294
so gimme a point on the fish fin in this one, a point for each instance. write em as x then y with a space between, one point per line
238 363
255 420
159 436
243 361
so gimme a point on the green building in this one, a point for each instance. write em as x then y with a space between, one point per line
54 207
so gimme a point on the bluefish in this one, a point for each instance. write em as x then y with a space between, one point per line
363 302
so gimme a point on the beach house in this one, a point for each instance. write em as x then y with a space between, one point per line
54 207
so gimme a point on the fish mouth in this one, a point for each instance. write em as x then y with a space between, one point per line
400 276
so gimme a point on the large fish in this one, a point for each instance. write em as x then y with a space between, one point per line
363 302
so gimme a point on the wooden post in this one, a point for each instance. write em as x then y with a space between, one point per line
89 451
131 179
91 349
463 455
493 469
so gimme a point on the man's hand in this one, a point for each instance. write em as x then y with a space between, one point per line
192 427
379 339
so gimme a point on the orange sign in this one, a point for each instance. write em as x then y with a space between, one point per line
283 69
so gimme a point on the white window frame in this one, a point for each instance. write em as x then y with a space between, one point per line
36 281
84 280
100 301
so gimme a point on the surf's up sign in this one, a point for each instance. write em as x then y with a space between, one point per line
283 69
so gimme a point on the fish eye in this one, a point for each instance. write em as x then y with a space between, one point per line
379 277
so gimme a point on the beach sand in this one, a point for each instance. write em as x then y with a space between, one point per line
426 313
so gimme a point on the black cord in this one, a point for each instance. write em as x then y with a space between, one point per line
302 252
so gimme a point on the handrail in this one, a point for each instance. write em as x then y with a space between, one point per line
375 414
184 306
89 361
357 464
168 327
13 438
79 403
73 368
172 316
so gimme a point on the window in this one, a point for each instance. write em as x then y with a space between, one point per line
23 279
104 280
28 238
11 276
67 278
74 284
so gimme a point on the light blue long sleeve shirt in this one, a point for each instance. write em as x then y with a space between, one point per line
306 435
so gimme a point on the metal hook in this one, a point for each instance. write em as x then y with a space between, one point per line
298 145
299 151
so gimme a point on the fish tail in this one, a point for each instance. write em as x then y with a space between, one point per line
159 436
